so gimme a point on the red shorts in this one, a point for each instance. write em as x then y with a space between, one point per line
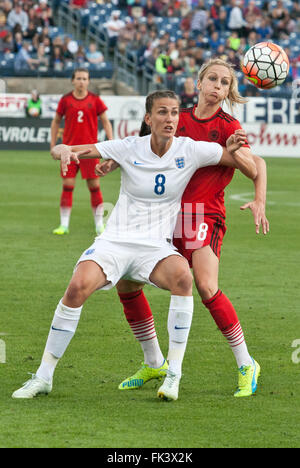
194 231
86 166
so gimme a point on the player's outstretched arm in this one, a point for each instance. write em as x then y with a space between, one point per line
66 154
235 156
258 205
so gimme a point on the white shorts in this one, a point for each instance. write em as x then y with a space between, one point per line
126 260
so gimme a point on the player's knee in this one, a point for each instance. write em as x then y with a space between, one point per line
77 291
183 282
206 287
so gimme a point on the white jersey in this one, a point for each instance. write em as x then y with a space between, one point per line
152 186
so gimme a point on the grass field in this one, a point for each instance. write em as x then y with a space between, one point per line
86 409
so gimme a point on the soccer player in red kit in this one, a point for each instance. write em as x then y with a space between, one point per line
80 109
200 230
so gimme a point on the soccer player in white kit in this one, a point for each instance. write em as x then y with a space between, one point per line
136 243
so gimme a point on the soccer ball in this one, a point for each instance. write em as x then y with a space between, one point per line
266 65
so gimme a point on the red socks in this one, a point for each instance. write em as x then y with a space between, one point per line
138 315
222 311
96 197
228 323
66 198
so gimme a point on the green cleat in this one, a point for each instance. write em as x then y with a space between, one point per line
143 375
61 230
248 376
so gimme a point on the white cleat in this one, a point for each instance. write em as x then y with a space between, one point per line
169 389
33 387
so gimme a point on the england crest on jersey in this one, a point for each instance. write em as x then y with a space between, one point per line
179 162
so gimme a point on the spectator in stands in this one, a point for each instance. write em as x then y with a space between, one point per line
221 22
17 16
43 64
252 12
23 60
279 12
191 68
44 13
236 22
189 95
184 8
295 11
215 9
162 62
4 29
80 57
30 31
215 41
57 59
18 41
150 8
94 56
176 67
185 23
113 27
234 41
7 43
264 30
136 9
235 59
199 19
199 57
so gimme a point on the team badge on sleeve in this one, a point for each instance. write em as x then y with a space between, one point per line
179 162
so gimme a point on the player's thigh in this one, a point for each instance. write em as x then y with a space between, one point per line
206 271
87 168
71 172
128 286
172 273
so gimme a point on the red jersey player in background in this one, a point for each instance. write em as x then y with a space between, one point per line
81 110
203 231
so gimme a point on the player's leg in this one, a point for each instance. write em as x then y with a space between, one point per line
66 199
140 319
206 269
87 168
173 274
88 277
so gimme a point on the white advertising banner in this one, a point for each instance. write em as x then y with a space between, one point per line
272 124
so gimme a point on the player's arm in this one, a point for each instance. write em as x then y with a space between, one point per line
66 154
258 205
235 156
54 129
106 125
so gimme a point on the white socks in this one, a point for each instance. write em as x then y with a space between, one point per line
62 330
179 324
98 216
65 214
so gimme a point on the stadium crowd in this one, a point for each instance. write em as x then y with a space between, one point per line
169 38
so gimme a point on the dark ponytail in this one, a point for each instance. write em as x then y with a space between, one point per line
145 129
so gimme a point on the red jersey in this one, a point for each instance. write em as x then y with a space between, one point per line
81 118
208 183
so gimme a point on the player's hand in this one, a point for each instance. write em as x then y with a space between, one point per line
106 167
259 215
236 140
66 155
